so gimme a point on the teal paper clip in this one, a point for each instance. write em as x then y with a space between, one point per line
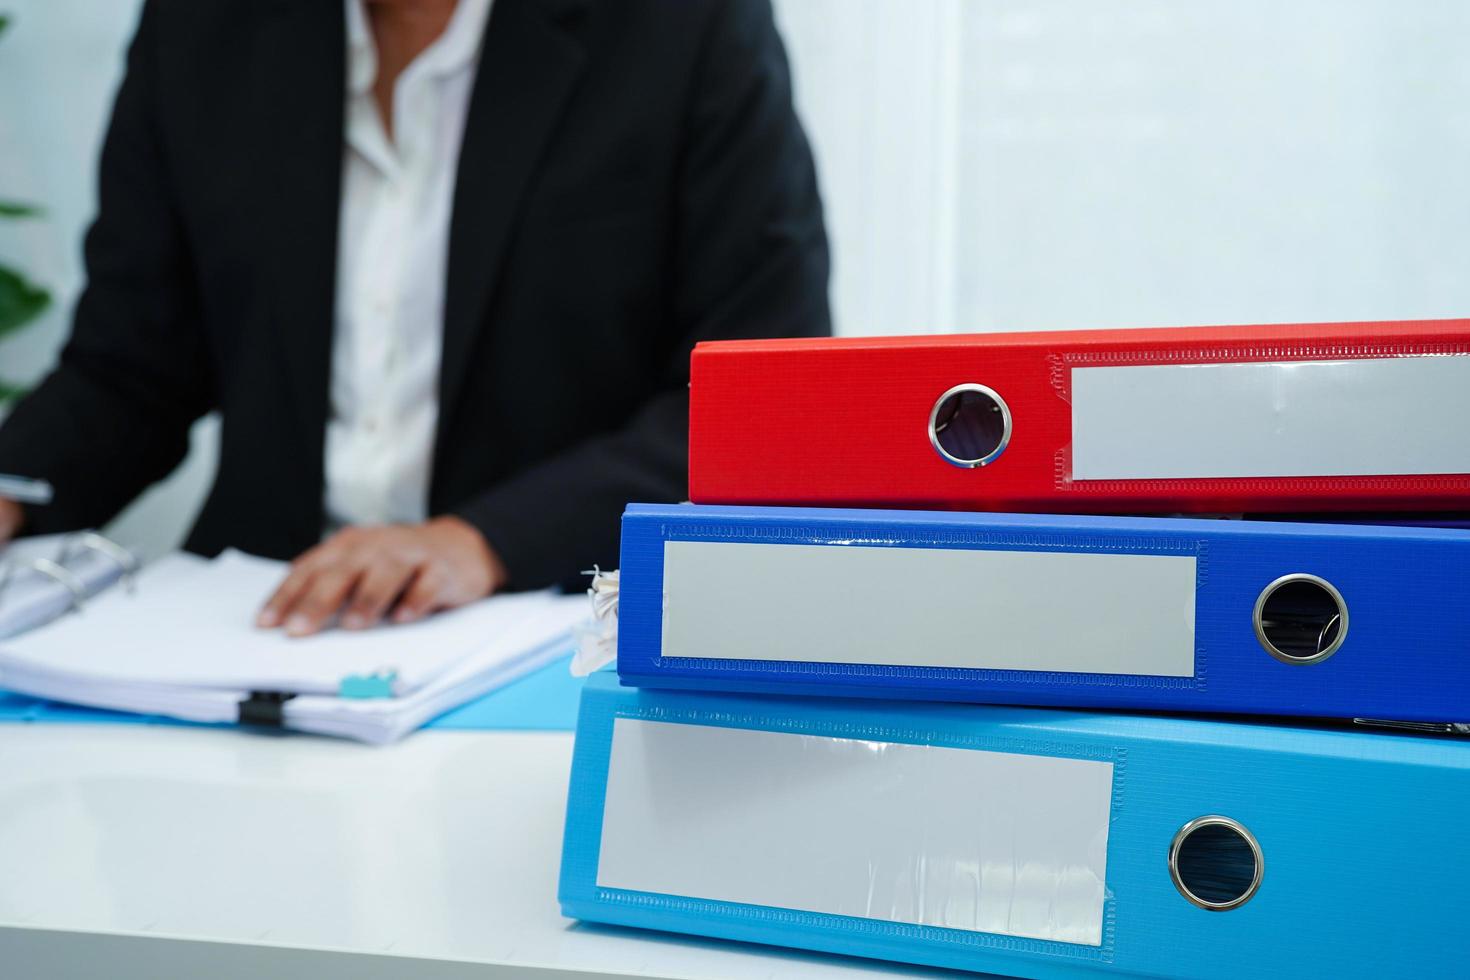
376 685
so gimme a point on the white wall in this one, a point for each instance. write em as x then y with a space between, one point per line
993 164
1042 164
878 87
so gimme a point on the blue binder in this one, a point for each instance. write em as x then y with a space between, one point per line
1146 613
1020 841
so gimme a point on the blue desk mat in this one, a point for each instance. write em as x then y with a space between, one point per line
545 700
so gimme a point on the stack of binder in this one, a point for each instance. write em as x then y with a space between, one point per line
983 725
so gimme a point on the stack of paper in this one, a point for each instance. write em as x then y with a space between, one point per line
183 644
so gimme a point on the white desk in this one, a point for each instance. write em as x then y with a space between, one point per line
140 851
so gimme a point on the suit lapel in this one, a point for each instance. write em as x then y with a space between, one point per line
305 66
529 64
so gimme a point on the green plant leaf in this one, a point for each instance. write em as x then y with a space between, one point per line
4 22
10 392
14 209
20 301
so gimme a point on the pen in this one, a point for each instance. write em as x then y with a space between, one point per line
25 490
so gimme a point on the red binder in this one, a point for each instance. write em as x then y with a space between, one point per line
1328 416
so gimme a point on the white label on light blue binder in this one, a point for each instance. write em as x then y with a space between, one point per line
1394 416
1068 612
990 842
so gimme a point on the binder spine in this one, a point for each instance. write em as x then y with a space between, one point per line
1259 617
1218 835
1213 420
1080 770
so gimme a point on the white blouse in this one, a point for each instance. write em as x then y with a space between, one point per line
393 241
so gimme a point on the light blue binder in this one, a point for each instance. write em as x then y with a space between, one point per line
1020 841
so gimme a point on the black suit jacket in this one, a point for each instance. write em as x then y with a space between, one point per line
633 179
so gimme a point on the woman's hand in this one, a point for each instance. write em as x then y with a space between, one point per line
11 516
362 576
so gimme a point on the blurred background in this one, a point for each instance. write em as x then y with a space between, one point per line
986 165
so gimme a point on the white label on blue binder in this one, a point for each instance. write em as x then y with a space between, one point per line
1068 612
990 842
1394 416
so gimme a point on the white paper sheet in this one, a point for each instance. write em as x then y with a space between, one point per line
191 623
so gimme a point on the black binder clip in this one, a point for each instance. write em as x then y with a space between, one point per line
265 709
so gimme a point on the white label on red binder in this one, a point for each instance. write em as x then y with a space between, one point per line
1070 612
982 841
1394 416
